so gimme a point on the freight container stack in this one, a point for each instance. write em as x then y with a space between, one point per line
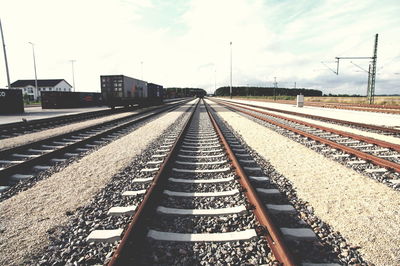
58 99
11 101
155 93
120 90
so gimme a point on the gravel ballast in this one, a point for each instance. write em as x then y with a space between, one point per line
26 217
380 119
365 212
36 136
344 128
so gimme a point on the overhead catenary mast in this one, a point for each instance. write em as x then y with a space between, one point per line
371 72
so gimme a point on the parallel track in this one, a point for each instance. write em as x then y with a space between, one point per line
29 126
377 152
362 126
18 128
23 162
390 109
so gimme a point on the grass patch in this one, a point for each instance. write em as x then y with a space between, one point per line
379 100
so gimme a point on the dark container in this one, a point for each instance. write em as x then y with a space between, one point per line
120 90
59 99
11 101
155 93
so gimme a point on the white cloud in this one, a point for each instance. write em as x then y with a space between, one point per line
285 39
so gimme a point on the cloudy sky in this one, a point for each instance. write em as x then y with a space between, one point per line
186 42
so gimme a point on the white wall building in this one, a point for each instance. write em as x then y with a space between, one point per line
28 86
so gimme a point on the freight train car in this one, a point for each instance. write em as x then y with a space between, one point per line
120 90
61 99
11 101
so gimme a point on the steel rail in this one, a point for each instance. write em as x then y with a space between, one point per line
381 143
386 129
376 160
377 106
373 110
334 105
136 229
271 233
37 125
15 168
44 123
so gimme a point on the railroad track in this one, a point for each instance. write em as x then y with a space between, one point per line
362 126
360 107
27 161
376 158
390 109
24 127
200 199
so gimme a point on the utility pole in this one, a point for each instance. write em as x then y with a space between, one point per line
295 85
230 91
73 74
372 72
215 80
141 69
275 87
34 66
5 56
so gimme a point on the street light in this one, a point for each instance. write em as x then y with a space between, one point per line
5 56
34 66
73 74
141 69
215 81
230 91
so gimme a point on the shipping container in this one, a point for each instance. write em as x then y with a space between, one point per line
155 90
120 90
58 99
11 101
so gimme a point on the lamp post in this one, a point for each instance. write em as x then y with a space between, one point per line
73 74
230 91
5 56
141 69
34 65
215 81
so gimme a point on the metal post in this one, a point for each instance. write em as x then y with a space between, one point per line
369 84
34 66
5 56
295 85
373 72
337 67
215 81
230 91
275 86
73 73
141 69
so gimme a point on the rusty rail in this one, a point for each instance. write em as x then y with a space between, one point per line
136 229
272 234
374 127
376 160
375 109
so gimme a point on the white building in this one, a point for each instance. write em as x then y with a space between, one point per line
28 86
